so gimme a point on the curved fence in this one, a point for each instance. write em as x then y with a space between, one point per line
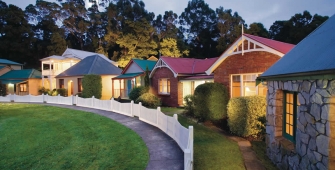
170 125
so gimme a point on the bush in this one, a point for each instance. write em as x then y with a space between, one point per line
52 92
43 90
149 100
92 86
136 92
246 115
3 89
62 92
210 101
189 104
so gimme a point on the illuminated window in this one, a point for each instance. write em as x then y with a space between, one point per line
245 85
80 86
290 115
61 83
23 87
164 86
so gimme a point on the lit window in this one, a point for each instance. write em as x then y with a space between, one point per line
164 86
291 104
80 86
61 83
245 85
23 87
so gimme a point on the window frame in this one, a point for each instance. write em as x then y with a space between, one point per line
25 86
161 87
295 109
61 83
241 82
80 84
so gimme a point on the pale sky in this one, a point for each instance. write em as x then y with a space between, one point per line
264 11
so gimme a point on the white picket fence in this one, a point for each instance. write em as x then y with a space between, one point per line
169 125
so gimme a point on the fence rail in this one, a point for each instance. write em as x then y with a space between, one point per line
169 125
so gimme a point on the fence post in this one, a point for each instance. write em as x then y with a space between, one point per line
190 147
14 97
131 108
42 97
175 116
77 100
29 98
92 101
139 112
157 113
112 103
58 98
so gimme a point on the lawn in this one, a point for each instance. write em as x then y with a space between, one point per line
212 150
46 137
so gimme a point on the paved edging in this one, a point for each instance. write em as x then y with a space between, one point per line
164 152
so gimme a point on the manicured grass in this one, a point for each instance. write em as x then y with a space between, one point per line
260 149
45 137
171 110
212 150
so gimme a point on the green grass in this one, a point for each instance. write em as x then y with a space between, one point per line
171 110
212 150
45 137
260 149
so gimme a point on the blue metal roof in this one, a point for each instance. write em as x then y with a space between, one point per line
21 74
5 61
94 64
314 53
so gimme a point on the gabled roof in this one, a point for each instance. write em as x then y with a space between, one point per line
141 63
128 75
91 65
315 53
5 61
276 45
187 66
255 44
57 57
22 74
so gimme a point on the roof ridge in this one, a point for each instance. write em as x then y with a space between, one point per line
93 63
267 39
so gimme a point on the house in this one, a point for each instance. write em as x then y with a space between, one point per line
71 79
22 82
132 76
54 65
301 103
13 65
174 78
248 57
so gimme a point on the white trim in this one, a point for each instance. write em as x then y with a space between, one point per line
241 82
160 64
230 51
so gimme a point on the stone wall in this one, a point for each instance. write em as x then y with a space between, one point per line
315 144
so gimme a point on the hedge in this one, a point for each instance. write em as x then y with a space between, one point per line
210 101
149 100
92 86
246 115
136 92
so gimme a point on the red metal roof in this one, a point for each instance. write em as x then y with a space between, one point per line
276 45
189 65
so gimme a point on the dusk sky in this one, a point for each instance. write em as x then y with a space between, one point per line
264 11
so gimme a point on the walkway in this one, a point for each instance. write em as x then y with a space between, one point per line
164 152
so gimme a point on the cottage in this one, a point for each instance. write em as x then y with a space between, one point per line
54 65
248 57
132 76
22 82
301 103
174 78
71 79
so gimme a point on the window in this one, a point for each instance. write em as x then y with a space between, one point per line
80 86
290 110
245 85
164 86
61 83
23 87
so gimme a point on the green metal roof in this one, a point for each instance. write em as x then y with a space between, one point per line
4 61
1 67
11 81
144 63
21 74
128 76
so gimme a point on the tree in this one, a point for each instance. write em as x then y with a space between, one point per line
257 29
92 86
230 28
198 22
168 47
146 78
138 42
296 28
165 26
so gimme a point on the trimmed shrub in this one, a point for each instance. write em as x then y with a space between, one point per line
43 90
52 92
136 92
149 100
246 115
62 92
189 104
210 101
92 86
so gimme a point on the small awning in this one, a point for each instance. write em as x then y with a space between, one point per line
128 75
11 81
202 77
